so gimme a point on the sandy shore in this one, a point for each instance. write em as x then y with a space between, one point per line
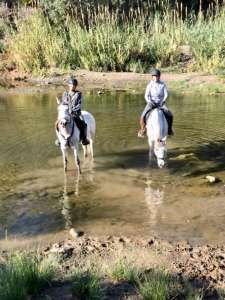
182 83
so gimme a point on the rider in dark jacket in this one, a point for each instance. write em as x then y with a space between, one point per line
74 99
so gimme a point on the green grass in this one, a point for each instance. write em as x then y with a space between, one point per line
86 285
156 285
24 275
159 285
204 88
123 271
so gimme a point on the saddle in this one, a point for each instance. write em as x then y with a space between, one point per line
148 113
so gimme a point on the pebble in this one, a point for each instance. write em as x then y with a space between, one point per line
74 233
212 179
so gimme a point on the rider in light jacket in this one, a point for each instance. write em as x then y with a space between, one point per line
155 95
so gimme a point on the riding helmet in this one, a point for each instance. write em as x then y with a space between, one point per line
72 81
155 72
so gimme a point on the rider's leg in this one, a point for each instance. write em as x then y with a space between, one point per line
144 114
169 118
82 126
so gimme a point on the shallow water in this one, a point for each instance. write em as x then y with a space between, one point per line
119 193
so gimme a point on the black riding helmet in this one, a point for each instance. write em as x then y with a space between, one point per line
72 81
155 72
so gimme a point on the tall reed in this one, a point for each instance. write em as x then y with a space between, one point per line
36 45
107 41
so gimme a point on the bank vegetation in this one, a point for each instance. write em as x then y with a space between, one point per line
58 35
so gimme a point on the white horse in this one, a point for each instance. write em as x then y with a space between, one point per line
157 131
69 135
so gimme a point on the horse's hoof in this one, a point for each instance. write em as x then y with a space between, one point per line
75 233
161 163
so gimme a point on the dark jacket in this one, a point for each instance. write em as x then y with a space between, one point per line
74 100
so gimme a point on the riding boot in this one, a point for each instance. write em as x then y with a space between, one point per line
169 118
82 126
83 135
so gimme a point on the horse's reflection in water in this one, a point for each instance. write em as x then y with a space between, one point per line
153 198
71 194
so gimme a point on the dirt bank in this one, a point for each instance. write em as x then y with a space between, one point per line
14 82
205 264
202 267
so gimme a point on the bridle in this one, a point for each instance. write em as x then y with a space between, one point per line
71 134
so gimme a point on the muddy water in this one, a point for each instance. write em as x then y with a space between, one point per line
118 193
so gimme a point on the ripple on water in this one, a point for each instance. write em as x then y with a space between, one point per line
119 193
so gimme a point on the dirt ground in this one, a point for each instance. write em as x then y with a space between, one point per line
14 82
203 267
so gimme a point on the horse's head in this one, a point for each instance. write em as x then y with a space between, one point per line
160 152
64 120
157 129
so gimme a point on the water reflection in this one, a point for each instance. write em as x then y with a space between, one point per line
153 198
71 191
66 200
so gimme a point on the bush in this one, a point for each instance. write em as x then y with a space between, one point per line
36 46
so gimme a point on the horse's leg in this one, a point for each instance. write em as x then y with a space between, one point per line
65 161
76 158
91 149
151 150
76 185
85 151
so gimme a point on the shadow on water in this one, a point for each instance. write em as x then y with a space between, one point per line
189 161
128 159
199 160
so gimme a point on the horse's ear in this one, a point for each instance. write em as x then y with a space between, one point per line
58 101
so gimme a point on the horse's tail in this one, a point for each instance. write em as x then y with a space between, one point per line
91 124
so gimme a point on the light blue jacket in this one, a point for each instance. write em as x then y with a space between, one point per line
156 93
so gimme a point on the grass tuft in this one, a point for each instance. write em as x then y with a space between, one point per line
24 275
86 286
155 285
123 271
